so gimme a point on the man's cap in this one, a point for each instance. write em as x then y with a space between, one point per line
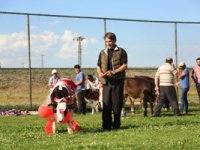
54 71
181 64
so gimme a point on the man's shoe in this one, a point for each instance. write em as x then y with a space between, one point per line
115 128
179 114
106 129
154 115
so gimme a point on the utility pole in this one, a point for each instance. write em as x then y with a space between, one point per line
79 39
42 60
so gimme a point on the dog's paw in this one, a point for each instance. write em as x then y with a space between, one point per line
70 131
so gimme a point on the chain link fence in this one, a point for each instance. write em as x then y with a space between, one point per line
31 45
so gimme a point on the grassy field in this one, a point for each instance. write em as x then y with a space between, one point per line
137 132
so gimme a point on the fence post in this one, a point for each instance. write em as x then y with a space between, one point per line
176 50
105 28
29 61
176 56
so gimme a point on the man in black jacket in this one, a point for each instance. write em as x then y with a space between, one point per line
111 67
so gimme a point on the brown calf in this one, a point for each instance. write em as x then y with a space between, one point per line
141 87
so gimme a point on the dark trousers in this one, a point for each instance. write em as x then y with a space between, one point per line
166 104
184 100
198 89
169 93
112 101
81 102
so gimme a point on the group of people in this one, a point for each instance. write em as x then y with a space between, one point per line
165 80
111 66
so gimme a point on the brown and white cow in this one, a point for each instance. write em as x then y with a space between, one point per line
92 96
134 87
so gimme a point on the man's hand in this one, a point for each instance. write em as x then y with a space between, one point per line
177 84
157 93
102 75
109 73
50 86
177 70
156 88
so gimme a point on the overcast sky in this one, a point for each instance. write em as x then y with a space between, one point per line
147 44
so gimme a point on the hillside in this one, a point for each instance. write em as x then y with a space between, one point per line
14 83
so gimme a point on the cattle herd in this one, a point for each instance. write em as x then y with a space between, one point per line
141 87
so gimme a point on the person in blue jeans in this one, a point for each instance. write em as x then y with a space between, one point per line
80 82
183 75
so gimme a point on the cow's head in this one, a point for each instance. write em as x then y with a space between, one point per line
89 94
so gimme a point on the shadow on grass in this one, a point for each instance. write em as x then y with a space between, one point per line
181 123
129 127
85 130
182 115
194 109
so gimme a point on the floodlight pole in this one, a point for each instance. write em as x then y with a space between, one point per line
79 39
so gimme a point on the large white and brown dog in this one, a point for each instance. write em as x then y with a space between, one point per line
62 102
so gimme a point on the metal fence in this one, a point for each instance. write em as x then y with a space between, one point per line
105 23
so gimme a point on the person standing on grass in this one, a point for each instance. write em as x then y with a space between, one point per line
164 85
183 75
53 79
111 66
80 82
196 76
92 83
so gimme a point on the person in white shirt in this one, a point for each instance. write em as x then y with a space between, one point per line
164 85
53 79
92 83
95 84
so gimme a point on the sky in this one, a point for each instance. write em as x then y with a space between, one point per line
147 44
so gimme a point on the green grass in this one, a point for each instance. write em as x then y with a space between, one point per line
137 132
